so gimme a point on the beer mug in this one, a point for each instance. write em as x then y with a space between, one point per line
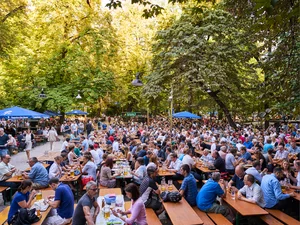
39 196
170 185
38 211
72 173
106 212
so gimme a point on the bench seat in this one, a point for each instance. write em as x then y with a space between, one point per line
268 219
219 219
283 217
203 216
4 215
180 181
152 217
2 189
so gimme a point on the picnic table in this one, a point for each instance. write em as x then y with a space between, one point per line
44 164
106 191
48 157
181 213
44 214
15 179
69 179
203 169
165 173
297 195
244 208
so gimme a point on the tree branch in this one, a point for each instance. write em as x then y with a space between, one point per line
13 12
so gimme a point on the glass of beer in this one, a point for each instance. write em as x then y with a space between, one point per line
163 169
39 196
170 185
72 173
163 187
283 189
38 212
106 212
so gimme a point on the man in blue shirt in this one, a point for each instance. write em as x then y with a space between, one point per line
84 143
244 154
188 187
3 142
208 194
248 144
268 146
271 188
62 205
238 179
38 174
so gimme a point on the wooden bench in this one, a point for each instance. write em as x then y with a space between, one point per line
152 217
3 189
203 216
268 219
219 219
150 214
4 215
283 217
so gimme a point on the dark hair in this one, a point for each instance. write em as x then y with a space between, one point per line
150 170
256 163
104 156
277 170
144 147
33 159
91 147
109 162
67 139
233 151
25 184
243 148
140 160
64 154
281 144
174 155
250 178
87 155
54 180
186 168
134 190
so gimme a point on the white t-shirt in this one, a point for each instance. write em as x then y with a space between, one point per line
55 171
64 145
95 156
187 159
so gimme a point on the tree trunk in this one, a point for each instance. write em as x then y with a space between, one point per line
213 94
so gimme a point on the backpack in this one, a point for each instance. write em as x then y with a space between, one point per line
173 196
25 217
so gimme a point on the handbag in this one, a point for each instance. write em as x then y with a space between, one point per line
26 217
86 179
173 196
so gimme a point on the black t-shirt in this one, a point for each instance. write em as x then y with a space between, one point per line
219 164
3 139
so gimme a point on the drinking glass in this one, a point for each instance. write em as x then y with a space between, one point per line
233 194
39 196
106 212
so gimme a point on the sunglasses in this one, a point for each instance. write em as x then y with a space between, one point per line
94 189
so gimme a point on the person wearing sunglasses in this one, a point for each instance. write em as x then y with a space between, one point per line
83 212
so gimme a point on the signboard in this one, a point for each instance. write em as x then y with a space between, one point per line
131 114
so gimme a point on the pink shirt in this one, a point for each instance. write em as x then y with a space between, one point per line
138 213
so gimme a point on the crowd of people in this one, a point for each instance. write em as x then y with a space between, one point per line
273 156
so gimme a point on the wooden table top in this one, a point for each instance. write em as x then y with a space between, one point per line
200 152
15 179
205 169
44 164
49 157
106 191
297 195
166 173
181 213
244 208
44 214
66 178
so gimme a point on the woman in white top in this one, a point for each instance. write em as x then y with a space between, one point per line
71 155
28 140
56 169
52 136
11 143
